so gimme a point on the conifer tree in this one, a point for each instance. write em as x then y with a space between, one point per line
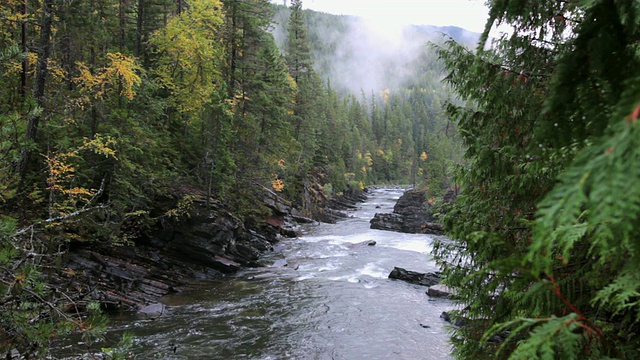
306 116
548 206
298 52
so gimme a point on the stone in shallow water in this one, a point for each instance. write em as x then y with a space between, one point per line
428 279
440 290
362 244
156 309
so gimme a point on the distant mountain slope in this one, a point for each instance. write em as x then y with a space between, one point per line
458 34
358 56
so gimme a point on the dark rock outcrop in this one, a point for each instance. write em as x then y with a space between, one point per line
440 291
455 322
206 242
411 214
319 201
428 279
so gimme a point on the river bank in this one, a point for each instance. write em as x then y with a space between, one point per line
207 243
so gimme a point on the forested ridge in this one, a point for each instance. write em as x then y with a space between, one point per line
544 249
117 116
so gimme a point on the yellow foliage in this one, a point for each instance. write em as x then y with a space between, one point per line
61 173
15 67
380 152
368 158
385 95
190 54
120 72
277 185
100 145
423 156
182 209
57 73
364 169
361 185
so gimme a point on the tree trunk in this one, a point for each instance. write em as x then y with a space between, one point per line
44 50
139 23
121 16
25 62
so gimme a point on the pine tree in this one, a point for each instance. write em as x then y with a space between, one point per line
306 116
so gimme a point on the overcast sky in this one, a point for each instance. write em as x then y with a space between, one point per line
468 14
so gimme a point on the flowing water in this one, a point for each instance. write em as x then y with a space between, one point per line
332 301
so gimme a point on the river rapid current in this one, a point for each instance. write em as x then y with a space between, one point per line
332 300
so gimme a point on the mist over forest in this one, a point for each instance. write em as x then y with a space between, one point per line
359 55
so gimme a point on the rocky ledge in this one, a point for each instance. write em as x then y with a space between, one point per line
206 243
411 214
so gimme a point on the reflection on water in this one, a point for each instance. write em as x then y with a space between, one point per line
333 301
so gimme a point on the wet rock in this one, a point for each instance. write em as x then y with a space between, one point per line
276 203
411 214
322 204
390 222
301 219
362 244
448 318
205 245
428 279
280 263
156 309
284 226
440 290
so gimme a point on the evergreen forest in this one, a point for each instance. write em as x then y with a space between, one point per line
118 115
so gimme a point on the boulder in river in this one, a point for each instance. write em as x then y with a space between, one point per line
411 214
362 244
455 322
440 290
156 309
427 279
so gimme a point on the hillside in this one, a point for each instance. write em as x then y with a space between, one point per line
356 56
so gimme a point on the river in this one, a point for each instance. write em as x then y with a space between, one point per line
332 301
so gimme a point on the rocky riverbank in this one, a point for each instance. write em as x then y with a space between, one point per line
207 242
